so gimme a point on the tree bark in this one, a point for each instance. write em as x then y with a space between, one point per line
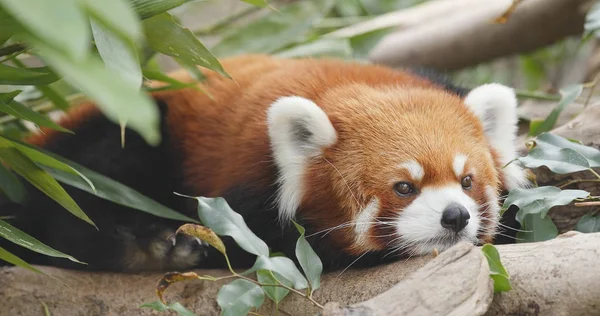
556 277
457 39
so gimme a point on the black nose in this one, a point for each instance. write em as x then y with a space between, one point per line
455 217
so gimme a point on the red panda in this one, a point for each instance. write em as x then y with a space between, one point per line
376 163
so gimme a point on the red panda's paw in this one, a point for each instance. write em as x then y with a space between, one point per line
164 251
186 252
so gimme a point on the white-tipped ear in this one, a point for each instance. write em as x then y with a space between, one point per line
298 131
496 107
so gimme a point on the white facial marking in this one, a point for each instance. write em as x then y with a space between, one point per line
415 169
419 224
458 165
493 207
364 221
298 131
495 105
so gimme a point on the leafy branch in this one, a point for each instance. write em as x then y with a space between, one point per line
272 272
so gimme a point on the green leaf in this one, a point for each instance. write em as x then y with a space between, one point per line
275 293
309 260
283 266
568 95
11 186
497 271
10 258
363 43
217 215
539 200
24 240
22 165
26 76
54 96
292 23
150 8
22 112
258 3
113 94
588 224
42 158
104 187
118 56
324 47
174 83
45 20
239 297
164 35
536 228
117 16
176 307
560 155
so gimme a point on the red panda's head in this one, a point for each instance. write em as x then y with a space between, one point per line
398 170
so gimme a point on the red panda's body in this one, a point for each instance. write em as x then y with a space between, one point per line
332 144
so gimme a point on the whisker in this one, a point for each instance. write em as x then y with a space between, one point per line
345 182
353 262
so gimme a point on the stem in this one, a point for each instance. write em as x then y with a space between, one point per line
10 49
583 204
226 21
568 183
593 86
286 287
595 173
537 95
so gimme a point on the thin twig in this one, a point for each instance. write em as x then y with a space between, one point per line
592 88
226 21
583 204
11 49
504 17
594 173
537 95
568 183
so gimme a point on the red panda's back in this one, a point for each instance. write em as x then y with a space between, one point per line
222 133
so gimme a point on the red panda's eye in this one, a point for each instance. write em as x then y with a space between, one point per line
404 188
466 182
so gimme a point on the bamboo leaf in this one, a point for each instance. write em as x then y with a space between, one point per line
22 112
26 76
149 8
45 20
117 16
10 258
119 56
113 95
169 38
11 186
292 23
24 240
22 165
104 187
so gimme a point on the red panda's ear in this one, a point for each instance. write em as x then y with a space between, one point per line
495 105
298 130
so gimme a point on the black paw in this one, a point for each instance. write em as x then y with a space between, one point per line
186 251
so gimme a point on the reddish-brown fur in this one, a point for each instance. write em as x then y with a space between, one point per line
223 141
